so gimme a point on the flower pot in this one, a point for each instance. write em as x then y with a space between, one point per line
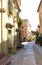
37 42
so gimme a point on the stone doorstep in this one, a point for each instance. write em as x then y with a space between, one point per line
39 49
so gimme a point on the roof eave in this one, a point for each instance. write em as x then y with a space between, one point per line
18 8
39 6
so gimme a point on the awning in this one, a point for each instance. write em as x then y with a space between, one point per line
2 10
9 25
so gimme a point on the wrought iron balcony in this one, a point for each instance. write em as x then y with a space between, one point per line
2 10
9 25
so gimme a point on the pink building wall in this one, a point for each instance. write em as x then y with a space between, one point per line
24 29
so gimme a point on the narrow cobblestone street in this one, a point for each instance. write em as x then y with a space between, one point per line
20 32
25 56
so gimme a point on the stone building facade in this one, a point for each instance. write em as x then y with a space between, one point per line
40 17
8 23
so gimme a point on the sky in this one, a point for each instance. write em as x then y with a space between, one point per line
29 11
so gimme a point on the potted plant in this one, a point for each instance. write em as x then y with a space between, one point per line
40 40
37 40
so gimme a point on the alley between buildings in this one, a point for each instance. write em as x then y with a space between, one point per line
25 56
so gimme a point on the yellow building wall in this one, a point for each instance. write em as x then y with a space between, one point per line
19 2
4 21
11 35
0 28
0 32
40 17
15 24
3 30
5 35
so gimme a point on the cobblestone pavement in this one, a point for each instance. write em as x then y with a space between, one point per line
38 54
24 56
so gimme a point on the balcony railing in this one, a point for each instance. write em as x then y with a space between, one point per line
9 25
2 10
